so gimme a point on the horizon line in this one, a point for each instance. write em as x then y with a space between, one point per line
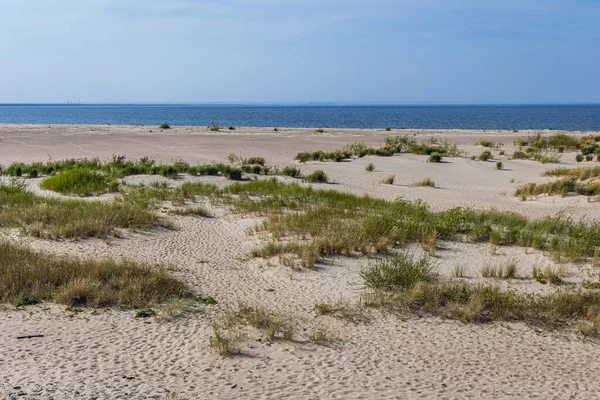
309 103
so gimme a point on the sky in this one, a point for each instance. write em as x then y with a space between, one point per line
294 51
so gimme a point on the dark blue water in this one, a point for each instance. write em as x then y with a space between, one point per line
558 117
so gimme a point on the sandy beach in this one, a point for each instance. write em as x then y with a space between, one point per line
108 354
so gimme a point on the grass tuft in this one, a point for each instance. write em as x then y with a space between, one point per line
26 275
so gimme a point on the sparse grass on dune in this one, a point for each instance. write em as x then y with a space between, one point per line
26 274
424 292
580 173
69 218
560 187
392 145
425 182
311 224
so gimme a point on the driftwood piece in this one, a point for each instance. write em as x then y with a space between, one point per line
29 336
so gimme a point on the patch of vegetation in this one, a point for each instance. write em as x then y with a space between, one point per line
145 313
435 157
486 143
484 303
499 165
26 275
77 181
342 309
370 167
560 187
231 128
485 156
392 145
165 126
318 176
69 218
389 180
399 272
320 130
214 127
308 224
507 271
425 182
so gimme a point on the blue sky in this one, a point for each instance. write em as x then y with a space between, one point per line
398 51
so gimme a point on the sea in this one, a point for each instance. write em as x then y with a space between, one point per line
584 117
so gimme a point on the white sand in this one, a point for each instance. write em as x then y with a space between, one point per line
110 355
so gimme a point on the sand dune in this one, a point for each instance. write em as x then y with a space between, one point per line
108 354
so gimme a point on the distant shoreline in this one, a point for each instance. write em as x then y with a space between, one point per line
569 117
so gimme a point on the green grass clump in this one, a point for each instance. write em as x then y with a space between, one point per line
318 176
485 143
499 165
425 182
214 127
26 274
560 187
69 218
520 155
389 180
370 167
77 181
291 171
165 126
580 173
399 272
392 145
435 157
579 158
320 130
485 156
255 161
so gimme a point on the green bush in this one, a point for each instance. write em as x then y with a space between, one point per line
78 181
499 165
435 157
579 157
317 176
165 126
401 271
370 167
485 156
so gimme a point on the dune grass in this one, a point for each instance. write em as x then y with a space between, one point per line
79 181
560 187
26 274
580 173
424 292
69 218
425 182
311 224
392 145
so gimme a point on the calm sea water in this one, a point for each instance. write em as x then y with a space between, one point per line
558 117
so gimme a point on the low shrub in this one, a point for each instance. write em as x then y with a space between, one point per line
425 182
485 156
77 181
389 180
82 282
579 158
435 157
499 165
165 126
318 176
370 167
400 271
